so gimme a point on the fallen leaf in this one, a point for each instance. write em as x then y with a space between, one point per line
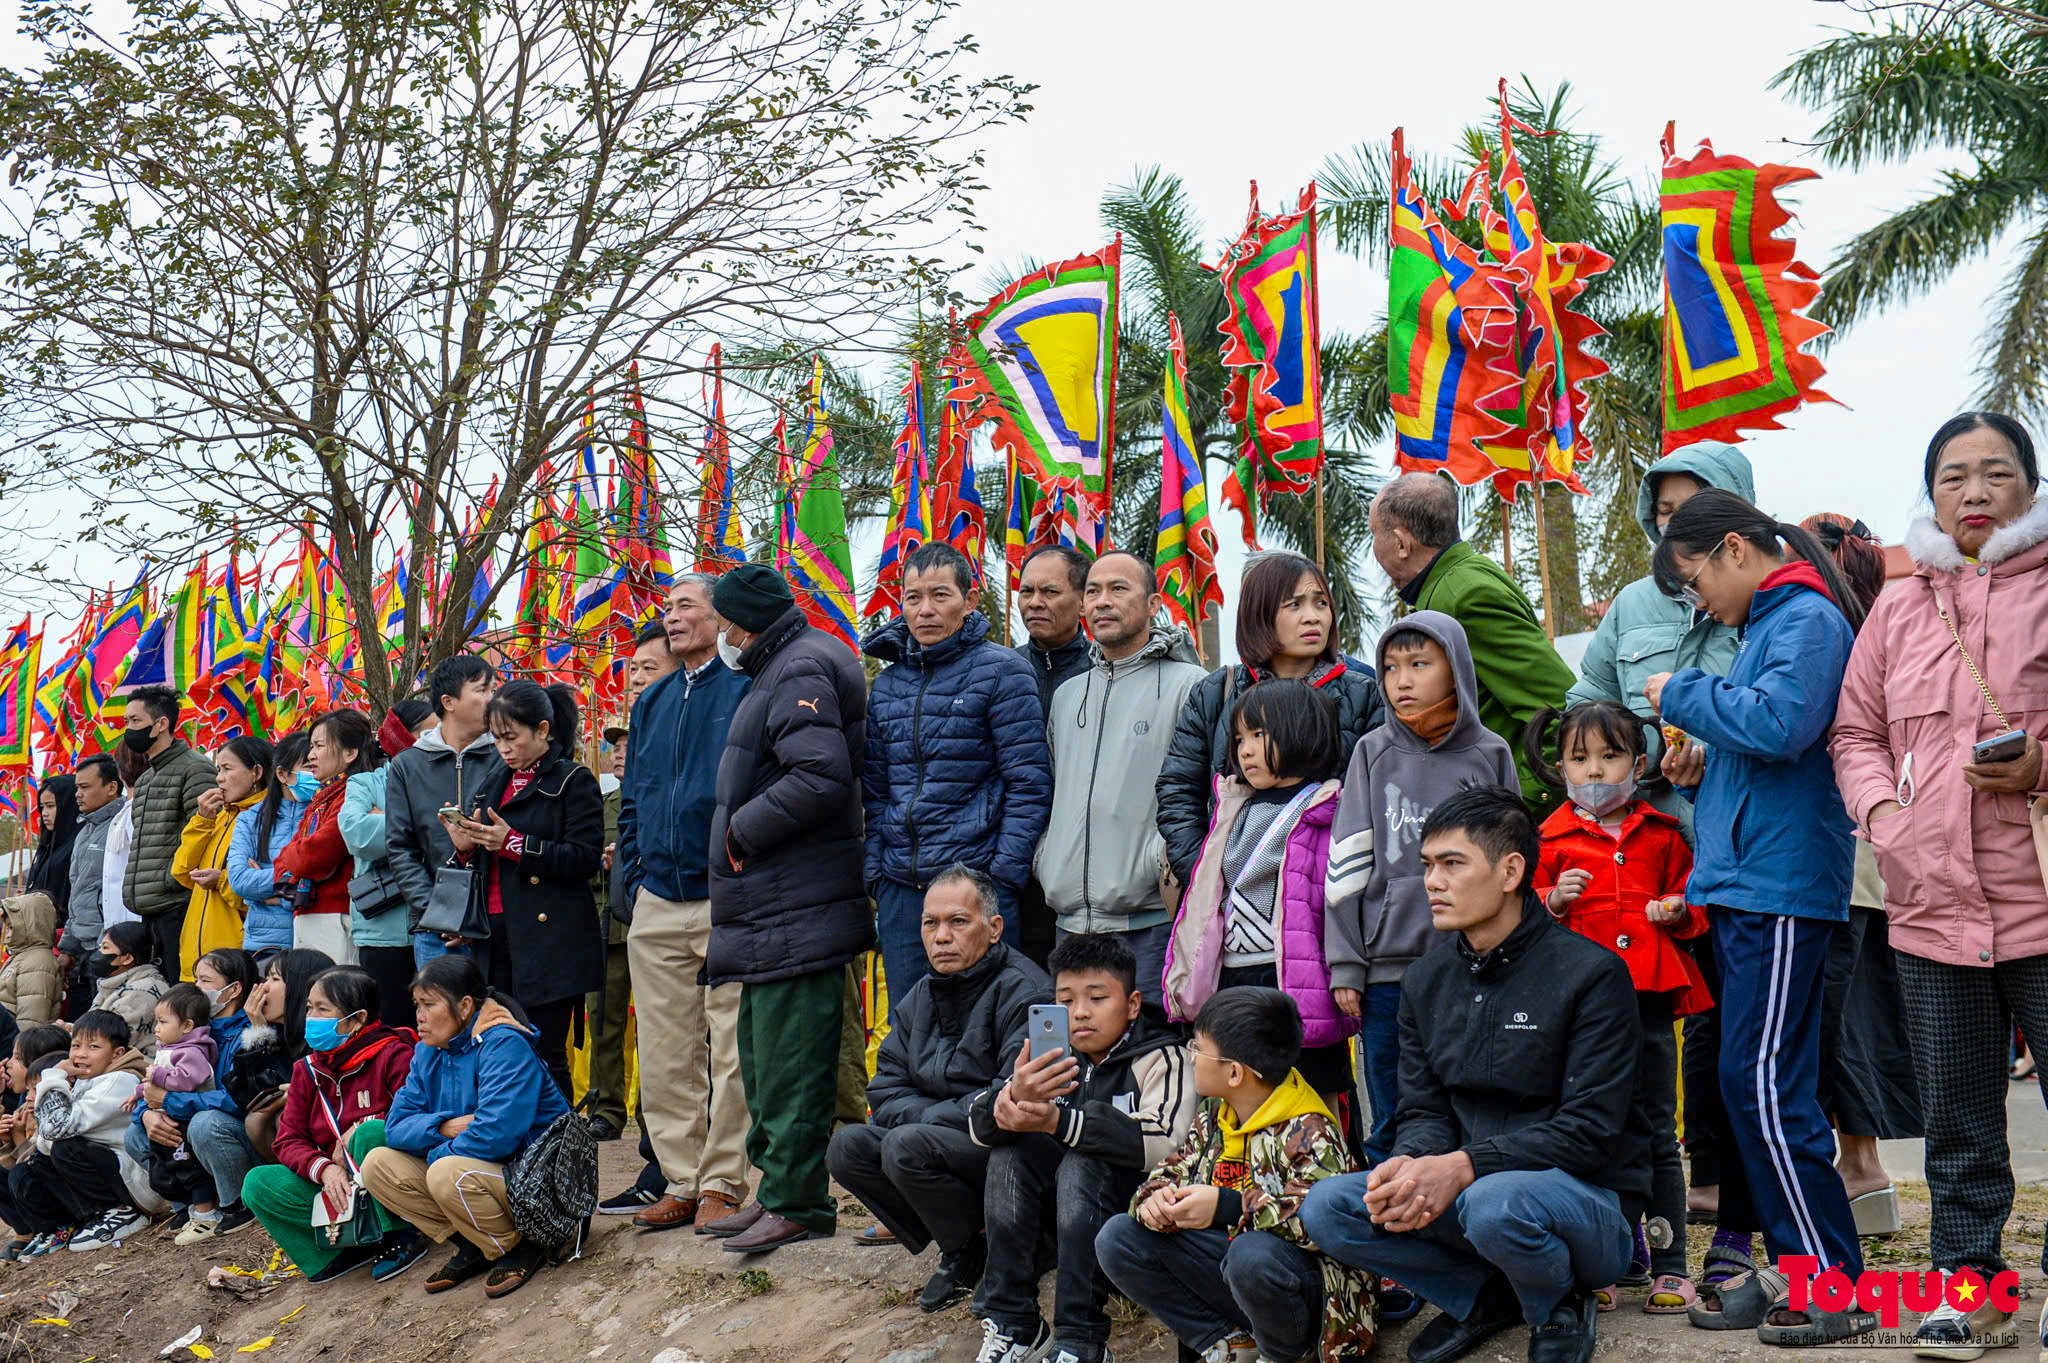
287 1320
49 1320
262 1343
200 1351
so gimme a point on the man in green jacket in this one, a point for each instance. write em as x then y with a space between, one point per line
1415 537
165 799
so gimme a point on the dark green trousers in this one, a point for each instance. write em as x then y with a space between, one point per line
853 1056
606 1012
789 1060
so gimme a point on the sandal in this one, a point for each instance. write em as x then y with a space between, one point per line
1742 1301
875 1236
464 1264
1607 1298
1814 1326
1672 1294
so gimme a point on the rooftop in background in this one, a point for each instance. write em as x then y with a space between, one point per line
1897 562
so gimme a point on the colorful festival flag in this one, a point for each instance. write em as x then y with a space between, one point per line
958 516
811 549
1184 552
1272 342
721 539
1043 355
638 534
20 669
1734 296
910 509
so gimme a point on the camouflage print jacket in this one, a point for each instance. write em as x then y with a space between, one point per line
1282 1163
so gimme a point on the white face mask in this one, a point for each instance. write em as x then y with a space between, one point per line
1600 798
728 653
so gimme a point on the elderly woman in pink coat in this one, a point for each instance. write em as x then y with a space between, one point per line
1952 658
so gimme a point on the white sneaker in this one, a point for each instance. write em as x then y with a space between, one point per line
114 1225
1069 1356
997 1347
1948 1333
1236 1349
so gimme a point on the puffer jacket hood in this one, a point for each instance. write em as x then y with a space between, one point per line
1110 729
956 766
31 921
1710 461
30 984
1450 637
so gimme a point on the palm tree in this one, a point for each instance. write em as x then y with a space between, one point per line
1979 84
1581 195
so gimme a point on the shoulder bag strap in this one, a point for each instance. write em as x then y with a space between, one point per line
1968 661
340 1136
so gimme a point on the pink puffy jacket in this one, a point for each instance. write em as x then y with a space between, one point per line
1962 884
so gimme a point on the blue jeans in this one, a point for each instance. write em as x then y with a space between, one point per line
1548 1233
899 915
1206 1285
427 945
219 1141
1379 1044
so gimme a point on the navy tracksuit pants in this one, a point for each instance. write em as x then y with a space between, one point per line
1771 972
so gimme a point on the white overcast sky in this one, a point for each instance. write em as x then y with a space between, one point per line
1136 82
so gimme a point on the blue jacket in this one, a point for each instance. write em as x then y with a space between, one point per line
492 1071
363 825
1771 834
956 767
671 783
267 925
227 1032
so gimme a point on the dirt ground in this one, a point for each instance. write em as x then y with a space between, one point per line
677 1298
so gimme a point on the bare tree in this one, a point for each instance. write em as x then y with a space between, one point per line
349 265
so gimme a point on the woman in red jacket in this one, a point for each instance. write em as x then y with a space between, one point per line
316 863
339 1093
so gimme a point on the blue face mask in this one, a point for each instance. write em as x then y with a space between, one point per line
324 1034
305 785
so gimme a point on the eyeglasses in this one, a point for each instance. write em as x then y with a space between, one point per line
1690 593
1197 1053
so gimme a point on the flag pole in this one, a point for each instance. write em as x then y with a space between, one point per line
1319 515
1543 567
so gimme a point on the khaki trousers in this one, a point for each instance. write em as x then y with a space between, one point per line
451 1196
692 1101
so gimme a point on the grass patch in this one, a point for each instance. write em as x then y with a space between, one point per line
895 1295
755 1281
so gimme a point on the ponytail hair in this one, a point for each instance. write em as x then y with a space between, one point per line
1713 514
526 703
1857 551
1612 720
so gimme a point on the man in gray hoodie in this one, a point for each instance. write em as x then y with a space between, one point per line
1109 729
100 802
447 766
1376 910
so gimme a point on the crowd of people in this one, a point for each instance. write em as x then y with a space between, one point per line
1281 999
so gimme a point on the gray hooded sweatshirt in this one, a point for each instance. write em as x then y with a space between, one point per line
1109 729
1375 910
421 780
85 919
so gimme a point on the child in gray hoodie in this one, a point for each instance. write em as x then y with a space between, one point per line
1376 911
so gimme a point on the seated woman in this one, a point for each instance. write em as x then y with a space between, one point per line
274 1043
316 863
353 1068
213 917
260 834
477 1095
130 984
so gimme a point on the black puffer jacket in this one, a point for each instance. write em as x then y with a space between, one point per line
1051 668
1201 741
787 893
952 1036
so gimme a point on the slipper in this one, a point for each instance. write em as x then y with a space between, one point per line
877 1234
1816 1328
1877 1212
1671 1295
2024 1068
1745 1300
1607 1298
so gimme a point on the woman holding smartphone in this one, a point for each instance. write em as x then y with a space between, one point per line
1938 753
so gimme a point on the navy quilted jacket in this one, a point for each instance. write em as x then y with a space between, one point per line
957 767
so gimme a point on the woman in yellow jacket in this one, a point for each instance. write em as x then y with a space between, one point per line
214 918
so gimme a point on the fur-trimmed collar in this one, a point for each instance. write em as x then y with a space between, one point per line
1931 546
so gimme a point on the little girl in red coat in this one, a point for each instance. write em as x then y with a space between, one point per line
1613 869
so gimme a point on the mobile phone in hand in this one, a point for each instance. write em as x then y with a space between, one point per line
2006 747
450 813
1046 1030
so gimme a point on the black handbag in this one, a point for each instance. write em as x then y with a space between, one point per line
376 891
458 906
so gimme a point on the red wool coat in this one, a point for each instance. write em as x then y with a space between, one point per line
1646 861
318 853
359 1079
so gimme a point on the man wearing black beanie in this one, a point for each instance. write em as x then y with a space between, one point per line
789 906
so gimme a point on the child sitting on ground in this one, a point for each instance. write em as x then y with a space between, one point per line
35 1049
1212 1244
1072 1137
75 1179
185 1051
1613 869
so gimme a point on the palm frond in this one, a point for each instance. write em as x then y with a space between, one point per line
1354 194
2015 373
1355 399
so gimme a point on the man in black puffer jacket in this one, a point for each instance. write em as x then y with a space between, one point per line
957 767
914 1163
788 910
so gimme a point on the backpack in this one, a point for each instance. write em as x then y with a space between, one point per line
551 1189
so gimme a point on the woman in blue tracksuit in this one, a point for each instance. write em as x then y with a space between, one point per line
260 834
1773 861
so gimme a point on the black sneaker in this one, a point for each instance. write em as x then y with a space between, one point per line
180 1218
632 1202
233 1219
603 1129
401 1251
958 1274
346 1261
466 1263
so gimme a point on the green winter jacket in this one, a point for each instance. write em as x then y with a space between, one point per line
165 799
1646 632
1518 669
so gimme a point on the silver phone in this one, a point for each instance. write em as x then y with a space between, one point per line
1046 1030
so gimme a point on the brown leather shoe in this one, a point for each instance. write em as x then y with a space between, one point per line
667 1214
713 1207
741 1220
771 1231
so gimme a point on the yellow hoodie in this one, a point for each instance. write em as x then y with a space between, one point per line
213 918
1293 1098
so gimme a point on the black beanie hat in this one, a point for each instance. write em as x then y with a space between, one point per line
752 596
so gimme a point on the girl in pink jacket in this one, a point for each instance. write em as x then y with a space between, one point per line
1951 657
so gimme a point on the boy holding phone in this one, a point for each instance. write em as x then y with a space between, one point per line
1071 1137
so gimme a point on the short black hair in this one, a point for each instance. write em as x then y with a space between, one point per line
1406 636
937 556
1303 738
161 701
412 711
1256 1027
1496 820
188 1003
450 675
1147 573
652 633
102 766
130 937
351 989
1078 952
41 1040
1076 561
50 1060
106 1024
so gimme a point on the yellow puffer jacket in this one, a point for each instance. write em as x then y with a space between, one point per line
31 986
214 917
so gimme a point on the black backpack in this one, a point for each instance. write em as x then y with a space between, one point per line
551 1189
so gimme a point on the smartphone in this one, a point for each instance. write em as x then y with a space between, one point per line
1046 1030
2005 747
450 813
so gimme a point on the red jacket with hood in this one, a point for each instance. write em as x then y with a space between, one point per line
358 1079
